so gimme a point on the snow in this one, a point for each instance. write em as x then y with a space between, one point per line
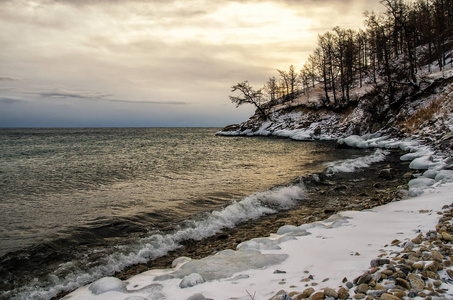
330 250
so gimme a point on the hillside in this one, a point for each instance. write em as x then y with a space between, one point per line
426 113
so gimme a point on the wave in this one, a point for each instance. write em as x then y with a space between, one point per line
351 165
74 274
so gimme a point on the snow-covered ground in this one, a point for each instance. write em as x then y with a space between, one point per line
317 255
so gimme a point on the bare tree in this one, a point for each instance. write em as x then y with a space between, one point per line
250 96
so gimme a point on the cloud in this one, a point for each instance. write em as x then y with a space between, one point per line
7 78
96 97
9 100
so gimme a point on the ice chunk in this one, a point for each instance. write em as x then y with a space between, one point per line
191 280
180 261
291 229
421 163
107 284
446 175
430 174
258 244
421 181
228 262
353 141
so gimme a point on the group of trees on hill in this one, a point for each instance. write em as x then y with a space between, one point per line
389 52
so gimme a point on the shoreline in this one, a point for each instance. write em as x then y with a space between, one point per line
330 195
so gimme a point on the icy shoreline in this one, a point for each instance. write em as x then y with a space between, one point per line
339 247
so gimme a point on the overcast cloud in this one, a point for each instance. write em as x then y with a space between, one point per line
151 63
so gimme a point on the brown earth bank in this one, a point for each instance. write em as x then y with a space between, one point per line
381 183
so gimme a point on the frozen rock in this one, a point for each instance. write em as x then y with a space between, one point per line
228 262
107 284
421 163
191 280
421 181
354 141
180 261
446 175
198 297
259 244
291 229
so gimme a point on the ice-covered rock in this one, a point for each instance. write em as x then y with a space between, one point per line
444 175
421 163
191 280
421 181
225 263
291 229
107 284
178 262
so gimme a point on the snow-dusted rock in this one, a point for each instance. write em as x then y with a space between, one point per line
191 280
421 163
107 284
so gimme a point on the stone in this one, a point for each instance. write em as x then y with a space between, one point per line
365 278
343 293
436 255
447 237
388 173
450 273
418 266
379 262
430 274
317 296
191 280
280 295
362 288
403 283
416 282
387 296
400 294
330 293
376 293
433 267
359 296
349 284
387 272
307 293
437 283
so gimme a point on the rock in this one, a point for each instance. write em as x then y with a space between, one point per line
430 274
359 296
191 280
279 272
307 293
280 294
343 293
450 273
447 237
362 288
388 173
416 282
418 266
365 278
198 297
107 284
317 296
387 296
403 283
433 267
330 293
436 255
379 262
376 293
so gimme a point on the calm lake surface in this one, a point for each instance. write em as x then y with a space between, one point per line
79 204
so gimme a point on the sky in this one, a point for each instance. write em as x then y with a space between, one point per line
151 63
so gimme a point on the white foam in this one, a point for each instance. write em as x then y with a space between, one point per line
351 165
157 245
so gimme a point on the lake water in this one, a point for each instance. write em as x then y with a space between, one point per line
79 204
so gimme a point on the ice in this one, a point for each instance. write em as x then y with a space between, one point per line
421 163
444 175
421 181
191 280
106 284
